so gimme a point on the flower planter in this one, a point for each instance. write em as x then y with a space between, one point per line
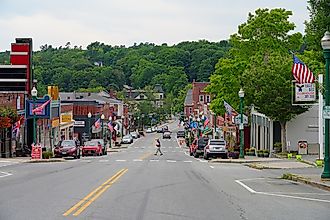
233 155
289 156
265 154
319 163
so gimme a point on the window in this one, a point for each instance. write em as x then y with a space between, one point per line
201 98
208 99
160 96
190 110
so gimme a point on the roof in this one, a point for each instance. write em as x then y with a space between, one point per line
189 99
158 88
101 97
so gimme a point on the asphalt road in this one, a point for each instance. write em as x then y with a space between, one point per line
134 184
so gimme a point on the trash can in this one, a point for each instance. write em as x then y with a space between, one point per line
302 147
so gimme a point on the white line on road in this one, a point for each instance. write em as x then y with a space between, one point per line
245 186
103 160
187 161
137 160
212 167
153 160
5 174
171 161
121 160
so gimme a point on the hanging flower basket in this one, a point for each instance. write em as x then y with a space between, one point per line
5 122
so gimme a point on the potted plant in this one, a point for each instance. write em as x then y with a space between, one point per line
252 151
289 155
266 153
232 153
260 153
319 162
298 157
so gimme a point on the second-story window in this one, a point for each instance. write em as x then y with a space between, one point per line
201 98
208 100
190 110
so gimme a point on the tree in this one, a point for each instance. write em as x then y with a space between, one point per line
259 62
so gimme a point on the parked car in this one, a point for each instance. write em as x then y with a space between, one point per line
149 130
180 134
103 144
197 147
160 130
67 148
153 129
127 139
92 147
215 148
167 134
135 134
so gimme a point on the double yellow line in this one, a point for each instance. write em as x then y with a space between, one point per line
91 197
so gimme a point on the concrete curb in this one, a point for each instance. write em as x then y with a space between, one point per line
241 161
52 160
308 181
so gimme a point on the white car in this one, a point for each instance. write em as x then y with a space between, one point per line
149 130
214 148
127 139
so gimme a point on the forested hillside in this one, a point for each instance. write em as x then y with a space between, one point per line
101 65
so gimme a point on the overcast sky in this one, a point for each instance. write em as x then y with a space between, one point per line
125 22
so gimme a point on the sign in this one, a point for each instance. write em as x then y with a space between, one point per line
55 123
79 124
36 151
66 118
305 92
31 104
238 119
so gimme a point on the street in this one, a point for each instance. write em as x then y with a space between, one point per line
136 184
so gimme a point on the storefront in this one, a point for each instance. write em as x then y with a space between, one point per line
66 125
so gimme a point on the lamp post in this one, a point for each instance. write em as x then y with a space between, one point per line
102 121
34 93
122 126
110 121
89 115
325 42
241 125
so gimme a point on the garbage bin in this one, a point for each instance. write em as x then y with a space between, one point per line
302 147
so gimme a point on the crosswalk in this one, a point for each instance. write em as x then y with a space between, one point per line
158 159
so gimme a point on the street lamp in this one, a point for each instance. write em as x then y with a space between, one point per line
241 125
89 115
110 121
34 93
122 126
325 42
102 119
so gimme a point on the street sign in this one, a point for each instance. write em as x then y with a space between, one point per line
326 112
79 124
238 119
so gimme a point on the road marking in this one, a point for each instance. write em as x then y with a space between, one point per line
103 160
121 160
278 195
171 161
95 193
212 167
4 174
187 161
137 160
153 160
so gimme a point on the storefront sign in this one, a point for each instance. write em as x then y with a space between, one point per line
79 123
305 92
55 123
66 118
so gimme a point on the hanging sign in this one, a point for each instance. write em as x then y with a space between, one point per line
305 92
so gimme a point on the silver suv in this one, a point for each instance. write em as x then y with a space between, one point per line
215 148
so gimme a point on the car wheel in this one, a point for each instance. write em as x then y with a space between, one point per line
190 153
78 156
195 154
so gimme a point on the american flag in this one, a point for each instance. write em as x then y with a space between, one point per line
97 123
110 126
228 108
300 71
206 122
16 128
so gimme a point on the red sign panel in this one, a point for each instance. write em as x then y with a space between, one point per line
36 152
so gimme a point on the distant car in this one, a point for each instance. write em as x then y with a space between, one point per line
67 148
159 130
153 129
135 134
127 139
215 147
149 130
180 134
92 147
167 134
103 144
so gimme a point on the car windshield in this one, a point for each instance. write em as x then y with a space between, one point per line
91 143
99 140
68 143
202 142
217 142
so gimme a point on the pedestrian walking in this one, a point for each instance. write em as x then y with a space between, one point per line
158 147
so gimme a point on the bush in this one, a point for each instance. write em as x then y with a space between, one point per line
47 154
277 147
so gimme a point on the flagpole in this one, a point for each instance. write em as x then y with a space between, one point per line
321 156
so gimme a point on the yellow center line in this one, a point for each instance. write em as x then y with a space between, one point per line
73 208
82 208
145 156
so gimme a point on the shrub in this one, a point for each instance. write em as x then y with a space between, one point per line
47 154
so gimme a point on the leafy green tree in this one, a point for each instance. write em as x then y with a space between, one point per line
259 62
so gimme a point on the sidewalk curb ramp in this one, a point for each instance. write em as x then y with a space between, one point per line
305 180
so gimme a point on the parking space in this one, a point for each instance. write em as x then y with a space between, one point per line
284 188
